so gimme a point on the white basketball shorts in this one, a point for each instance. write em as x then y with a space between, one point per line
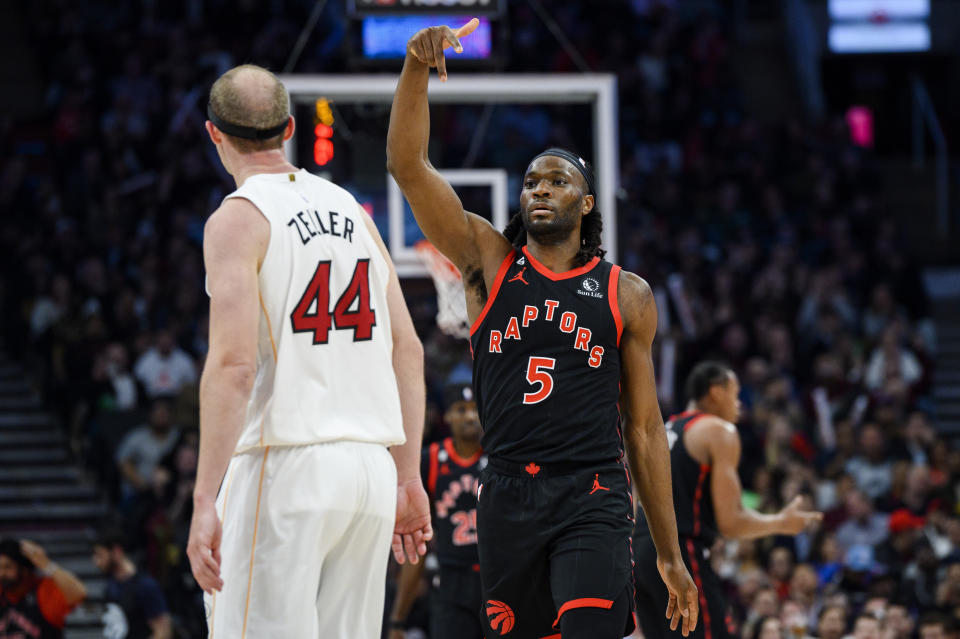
306 538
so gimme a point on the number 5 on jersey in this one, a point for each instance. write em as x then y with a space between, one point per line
321 320
536 374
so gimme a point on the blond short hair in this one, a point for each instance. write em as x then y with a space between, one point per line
261 107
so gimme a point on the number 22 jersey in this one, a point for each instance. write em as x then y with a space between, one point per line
546 363
325 350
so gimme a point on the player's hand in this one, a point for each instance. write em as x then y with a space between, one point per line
413 529
427 45
683 608
397 634
203 547
35 553
795 516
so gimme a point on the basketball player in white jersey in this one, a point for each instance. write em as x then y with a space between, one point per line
314 371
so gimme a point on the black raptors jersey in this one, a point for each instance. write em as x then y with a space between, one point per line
691 485
452 483
546 363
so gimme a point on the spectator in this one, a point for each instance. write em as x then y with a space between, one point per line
765 604
36 595
919 580
892 362
832 622
136 607
779 569
872 469
948 592
881 312
918 435
767 628
116 367
794 618
164 368
867 626
803 585
875 606
864 526
834 496
144 447
915 497
898 622
860 567
111 386
48 309
932 626
897 551
827 558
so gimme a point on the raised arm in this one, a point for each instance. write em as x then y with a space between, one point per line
647 449
468 240
733 518
413 529
69 584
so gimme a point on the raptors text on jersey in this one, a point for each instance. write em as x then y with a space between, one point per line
547 363
452 483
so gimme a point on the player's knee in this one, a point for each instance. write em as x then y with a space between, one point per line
597 623
592 623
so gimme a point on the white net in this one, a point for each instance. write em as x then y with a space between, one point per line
451 304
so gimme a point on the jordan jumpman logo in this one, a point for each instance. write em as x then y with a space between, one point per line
596 484
519 276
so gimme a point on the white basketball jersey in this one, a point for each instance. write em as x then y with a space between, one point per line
325 351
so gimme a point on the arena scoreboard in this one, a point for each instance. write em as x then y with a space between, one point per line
468 8
380 29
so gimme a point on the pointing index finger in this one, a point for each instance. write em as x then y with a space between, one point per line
468 28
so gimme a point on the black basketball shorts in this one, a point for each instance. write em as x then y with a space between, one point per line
551 540
652 596
454 601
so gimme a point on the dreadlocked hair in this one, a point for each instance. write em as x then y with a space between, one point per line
591 230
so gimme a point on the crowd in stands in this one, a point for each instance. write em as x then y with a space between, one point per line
768 246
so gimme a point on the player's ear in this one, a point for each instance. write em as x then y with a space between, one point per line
215 136
716 393
291 127
587 206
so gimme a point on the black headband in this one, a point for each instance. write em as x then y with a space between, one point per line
245 132
578 162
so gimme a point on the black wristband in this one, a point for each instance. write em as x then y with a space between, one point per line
396 624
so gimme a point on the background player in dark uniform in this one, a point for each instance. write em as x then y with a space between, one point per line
556 331
450 471
704 454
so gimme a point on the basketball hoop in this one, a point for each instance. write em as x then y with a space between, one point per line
451 304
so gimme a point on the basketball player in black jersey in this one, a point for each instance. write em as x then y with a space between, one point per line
557 332
450 471
704 454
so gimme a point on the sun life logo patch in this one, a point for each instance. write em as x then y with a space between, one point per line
590 288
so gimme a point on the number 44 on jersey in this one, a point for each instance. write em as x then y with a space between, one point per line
320 320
